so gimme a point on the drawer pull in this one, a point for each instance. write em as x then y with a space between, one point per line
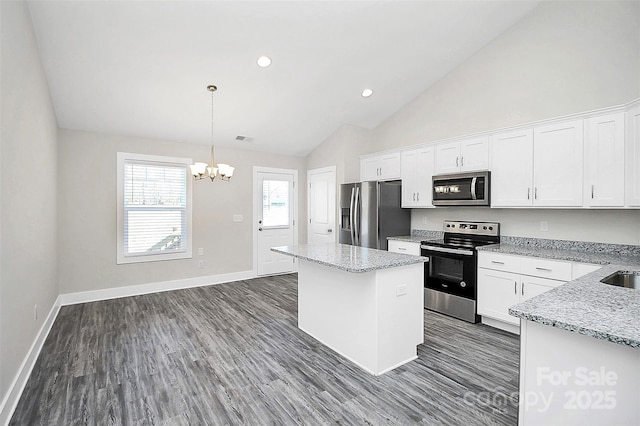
543 269
402 248
497 263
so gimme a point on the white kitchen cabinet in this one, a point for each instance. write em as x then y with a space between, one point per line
542 167
380 167
581 269
512 168
505 280
557 164
604 155
632 142
405 247
462 156
417 170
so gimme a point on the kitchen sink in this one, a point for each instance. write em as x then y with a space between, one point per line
623 279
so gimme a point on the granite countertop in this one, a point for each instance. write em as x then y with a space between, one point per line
349 258
584 305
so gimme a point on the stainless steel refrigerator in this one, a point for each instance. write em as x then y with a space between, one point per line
370 212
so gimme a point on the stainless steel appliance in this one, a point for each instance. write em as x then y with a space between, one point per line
370 212
461 189
450 284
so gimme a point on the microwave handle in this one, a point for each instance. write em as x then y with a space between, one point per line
473 188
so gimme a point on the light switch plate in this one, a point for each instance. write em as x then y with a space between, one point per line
237 218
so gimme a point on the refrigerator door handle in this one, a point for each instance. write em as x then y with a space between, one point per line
357 217
352 226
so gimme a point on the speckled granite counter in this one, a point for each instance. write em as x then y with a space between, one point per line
584 305
418 235
349 258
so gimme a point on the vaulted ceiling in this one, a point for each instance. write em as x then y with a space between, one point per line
141 67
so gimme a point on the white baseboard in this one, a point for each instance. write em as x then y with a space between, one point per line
10 401
511 328
136 290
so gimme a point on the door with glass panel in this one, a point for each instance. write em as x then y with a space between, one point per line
275 221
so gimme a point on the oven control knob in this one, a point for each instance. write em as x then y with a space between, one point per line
491 228
463 284
484 227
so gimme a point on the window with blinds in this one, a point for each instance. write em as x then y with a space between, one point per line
154 208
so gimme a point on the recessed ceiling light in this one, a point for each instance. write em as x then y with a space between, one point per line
366 93
264 61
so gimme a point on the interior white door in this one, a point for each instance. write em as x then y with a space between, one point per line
275 227
321 205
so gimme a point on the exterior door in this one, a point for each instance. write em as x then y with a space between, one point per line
275 221
321 205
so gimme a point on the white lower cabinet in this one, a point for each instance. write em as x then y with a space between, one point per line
506 280
405 247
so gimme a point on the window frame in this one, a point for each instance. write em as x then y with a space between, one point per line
122 159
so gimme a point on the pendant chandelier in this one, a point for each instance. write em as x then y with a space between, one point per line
204 170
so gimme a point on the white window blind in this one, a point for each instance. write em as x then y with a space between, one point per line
155 211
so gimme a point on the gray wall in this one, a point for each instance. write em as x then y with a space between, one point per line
563 58
28 259
87 216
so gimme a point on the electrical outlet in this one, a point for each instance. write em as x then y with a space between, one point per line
238 218
401 290
544 226
200 264
200 251
424 220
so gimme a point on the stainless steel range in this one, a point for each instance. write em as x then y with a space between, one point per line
450 285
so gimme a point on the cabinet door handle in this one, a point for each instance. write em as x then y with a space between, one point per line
462 161
591 191
515 287
496 262
414 196
543 269
528 193
457 158
522 288
535 192
418 196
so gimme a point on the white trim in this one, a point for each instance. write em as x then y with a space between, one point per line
256 211
157 287
10 401
552 120
122 157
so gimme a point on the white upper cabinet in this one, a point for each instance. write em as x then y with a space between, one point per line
632 180
417 170
380 167
467 155
558 164
512 168
540 167
604 155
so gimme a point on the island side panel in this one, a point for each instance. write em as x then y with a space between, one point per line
567 378
338 308
400 315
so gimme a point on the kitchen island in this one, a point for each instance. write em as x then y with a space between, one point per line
580 342
363 303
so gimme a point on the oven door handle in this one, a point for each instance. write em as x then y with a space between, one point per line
448 250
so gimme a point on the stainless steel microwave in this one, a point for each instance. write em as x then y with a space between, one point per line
462 189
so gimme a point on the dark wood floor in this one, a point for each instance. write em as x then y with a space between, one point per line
232 354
